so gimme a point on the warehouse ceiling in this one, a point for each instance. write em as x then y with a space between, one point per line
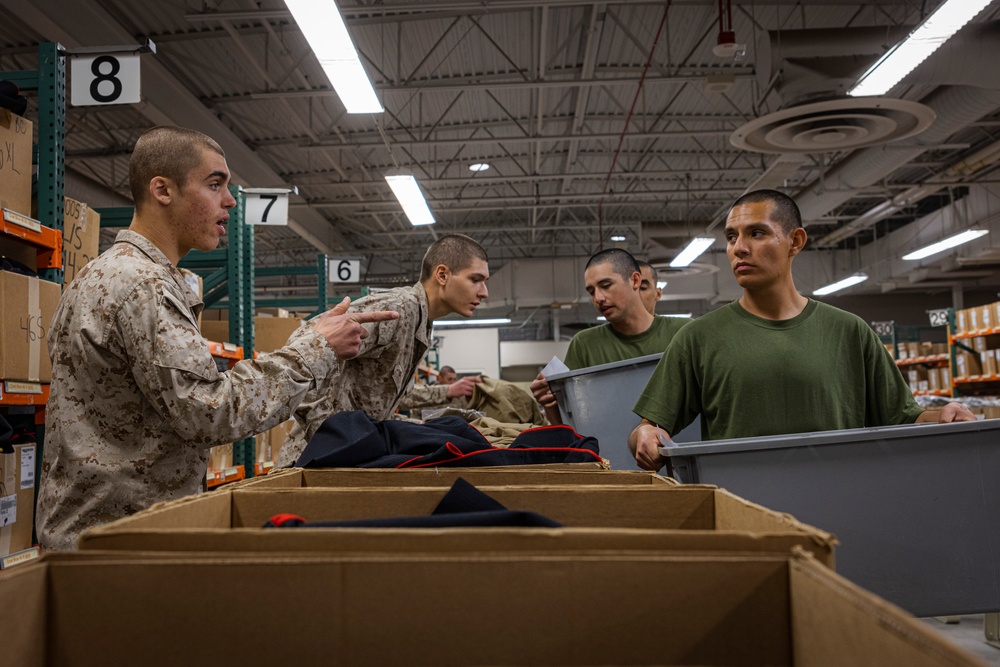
597 119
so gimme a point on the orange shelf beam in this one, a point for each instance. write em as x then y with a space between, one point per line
48 241
13 392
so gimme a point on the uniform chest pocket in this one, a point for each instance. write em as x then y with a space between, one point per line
179 344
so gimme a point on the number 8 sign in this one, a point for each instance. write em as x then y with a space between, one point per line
104 79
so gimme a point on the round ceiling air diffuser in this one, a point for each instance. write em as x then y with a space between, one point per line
834 125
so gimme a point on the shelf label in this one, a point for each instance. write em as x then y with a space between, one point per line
27 467
104 79
14 387
266 206
8 509
939 317
18 557
344 270
230 347
884 328
22 220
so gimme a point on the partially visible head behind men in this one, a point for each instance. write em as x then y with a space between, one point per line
447 375
168 151
784 210
622 261
455 251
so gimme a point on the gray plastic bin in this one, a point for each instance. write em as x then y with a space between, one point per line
598 401
915 507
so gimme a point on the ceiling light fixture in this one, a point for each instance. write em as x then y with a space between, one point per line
479 166
950 242
465 323
660 284
404 186
686 315
323 27
841 284
617 238
698 245
925 39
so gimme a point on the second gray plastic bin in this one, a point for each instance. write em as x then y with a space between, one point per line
916 507
598 400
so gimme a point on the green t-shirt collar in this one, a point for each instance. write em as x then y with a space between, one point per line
743 313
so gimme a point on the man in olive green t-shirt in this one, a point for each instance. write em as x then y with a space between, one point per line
773 362
613 279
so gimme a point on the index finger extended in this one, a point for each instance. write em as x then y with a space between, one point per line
374 316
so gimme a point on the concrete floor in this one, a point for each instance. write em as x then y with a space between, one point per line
967 633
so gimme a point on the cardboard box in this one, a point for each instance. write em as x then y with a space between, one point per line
967 365
28 307
987 363
986 320
17 499
934 379
901 351
912 349
961 321
270 333
926 348
15 162
945 378
689 517
571 474
939 348
81 237
272 312
561 609
978 343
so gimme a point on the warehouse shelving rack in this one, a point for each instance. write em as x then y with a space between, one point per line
49 80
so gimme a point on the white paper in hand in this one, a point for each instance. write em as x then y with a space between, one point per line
555 366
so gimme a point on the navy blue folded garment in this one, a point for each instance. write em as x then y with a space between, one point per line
354 440
463 506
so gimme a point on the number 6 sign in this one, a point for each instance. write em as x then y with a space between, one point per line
104 79
344 270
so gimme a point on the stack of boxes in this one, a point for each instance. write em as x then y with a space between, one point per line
920 372
976 328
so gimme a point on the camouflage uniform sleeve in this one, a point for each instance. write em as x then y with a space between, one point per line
424 396
173 368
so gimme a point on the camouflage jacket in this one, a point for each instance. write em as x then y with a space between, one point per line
377 378
136 397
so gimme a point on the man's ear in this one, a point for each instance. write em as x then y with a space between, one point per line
636 280
161 189
441 274
799 238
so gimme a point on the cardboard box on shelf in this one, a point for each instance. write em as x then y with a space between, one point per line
685 517
916 373
987 363
912 349
272 312
926 348
215 330
945 378
967 365
934 379
28 307
939 348
15 167
736 609
986 320
901 350
978 343
221 457
990 411
271 333
17 499
81 237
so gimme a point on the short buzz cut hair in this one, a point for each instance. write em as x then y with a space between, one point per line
455 251
168 151
622 261
446 369
652 269
784 210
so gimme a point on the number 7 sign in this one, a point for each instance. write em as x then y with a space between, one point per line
266 206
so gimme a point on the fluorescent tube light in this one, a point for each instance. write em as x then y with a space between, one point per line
660 284
950 242
617 238
841 284
405 187
323 27
686 315
466 323
479 166
925 39
697 246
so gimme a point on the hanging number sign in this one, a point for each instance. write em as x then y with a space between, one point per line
266 206
344 270
884 328
104 79
939 317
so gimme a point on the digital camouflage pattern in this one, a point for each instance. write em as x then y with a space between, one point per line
136 397
376 379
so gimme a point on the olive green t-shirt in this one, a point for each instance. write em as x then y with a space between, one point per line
824 369
601 345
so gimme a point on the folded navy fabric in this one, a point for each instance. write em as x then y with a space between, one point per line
463 506
354 440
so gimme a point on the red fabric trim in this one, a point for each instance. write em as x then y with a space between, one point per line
282 519
597 457
453 448
407 462
485 439
551 426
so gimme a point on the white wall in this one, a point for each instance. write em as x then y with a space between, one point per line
528 353
473 350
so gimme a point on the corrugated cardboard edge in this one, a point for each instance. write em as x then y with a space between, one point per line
35 344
